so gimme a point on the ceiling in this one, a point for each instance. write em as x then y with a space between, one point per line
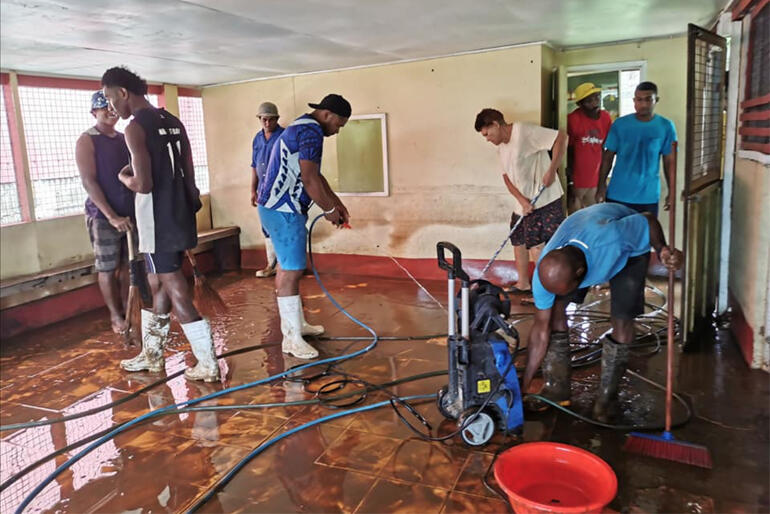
200 42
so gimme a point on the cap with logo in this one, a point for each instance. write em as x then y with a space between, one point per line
99 101
335 104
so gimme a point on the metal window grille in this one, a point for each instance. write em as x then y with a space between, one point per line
18 451
53 120
755 118
191 115
10 211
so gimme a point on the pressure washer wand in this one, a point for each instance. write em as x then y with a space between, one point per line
513 229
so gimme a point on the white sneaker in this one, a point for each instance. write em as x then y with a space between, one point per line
290 309
199 335
154 334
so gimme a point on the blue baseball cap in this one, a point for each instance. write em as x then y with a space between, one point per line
98 101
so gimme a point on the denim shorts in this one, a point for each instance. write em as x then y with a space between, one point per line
288 232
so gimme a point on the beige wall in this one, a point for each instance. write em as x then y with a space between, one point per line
750 249
666 66
444 177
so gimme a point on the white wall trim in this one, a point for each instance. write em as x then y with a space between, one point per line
753 155
388 63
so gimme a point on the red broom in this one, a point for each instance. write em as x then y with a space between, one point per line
205 297
665 446
134 304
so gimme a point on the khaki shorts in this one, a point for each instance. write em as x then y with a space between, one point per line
110 246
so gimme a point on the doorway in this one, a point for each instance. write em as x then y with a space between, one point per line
617 81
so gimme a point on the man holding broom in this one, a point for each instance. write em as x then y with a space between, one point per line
101 153
161 173
604 242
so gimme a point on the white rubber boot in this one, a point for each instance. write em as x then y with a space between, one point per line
307 328
199 335
269 270
290 309
154 334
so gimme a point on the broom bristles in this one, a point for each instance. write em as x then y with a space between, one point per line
206 299
667 448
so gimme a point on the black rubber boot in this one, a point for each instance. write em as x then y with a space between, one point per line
557 370
614 362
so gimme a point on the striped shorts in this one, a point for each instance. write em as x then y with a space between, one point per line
110 246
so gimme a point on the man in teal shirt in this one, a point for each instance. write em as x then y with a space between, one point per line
606 242
637 142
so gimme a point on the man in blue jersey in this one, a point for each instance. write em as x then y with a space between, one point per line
637 142
162 175
260 155
601 243
292 182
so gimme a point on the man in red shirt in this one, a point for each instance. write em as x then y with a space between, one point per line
587 127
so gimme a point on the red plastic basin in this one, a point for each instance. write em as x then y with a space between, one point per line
554 477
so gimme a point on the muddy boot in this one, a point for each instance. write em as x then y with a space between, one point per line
557 370
199 335
307 328
614 362
290 309
154 334
269 270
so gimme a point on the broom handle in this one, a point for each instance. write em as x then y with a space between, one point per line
193 262
130 237
670 298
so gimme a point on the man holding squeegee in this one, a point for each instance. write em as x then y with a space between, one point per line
601 243
526 167
161 174
292 182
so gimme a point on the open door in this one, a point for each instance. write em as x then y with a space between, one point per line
702 194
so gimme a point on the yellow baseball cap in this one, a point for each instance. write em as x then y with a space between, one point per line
585 89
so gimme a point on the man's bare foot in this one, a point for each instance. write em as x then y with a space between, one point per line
119 325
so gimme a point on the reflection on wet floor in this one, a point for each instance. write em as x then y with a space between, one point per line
367 462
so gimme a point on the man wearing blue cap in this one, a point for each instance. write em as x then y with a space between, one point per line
101 153
292 182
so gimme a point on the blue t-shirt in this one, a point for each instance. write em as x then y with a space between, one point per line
607 233
260 151
282 190
638 146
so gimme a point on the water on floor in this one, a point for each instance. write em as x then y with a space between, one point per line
365 462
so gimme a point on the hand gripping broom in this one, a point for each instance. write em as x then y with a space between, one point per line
665 446
135 292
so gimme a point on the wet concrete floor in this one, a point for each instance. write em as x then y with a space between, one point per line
367 462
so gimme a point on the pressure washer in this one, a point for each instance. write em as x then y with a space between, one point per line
483 392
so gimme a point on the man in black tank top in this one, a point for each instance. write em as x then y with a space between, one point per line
161 173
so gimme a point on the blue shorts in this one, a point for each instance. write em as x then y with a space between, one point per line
639 207
289 235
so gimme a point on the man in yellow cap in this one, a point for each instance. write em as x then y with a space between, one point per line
587 128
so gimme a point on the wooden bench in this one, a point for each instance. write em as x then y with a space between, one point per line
223 242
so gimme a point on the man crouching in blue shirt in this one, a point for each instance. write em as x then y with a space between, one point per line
604 242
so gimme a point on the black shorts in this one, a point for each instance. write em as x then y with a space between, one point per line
626 289
539 226
163 262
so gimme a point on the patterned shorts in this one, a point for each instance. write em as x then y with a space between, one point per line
539 226
110 245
